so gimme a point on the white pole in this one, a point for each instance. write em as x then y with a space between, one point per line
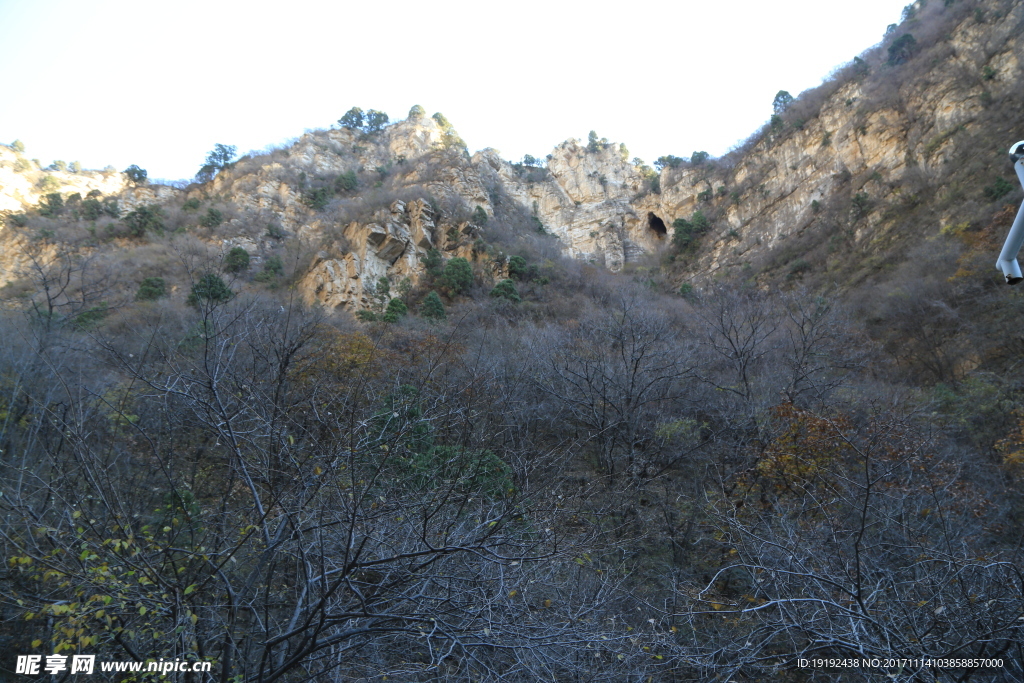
1008 256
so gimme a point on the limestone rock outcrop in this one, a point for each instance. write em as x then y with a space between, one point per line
419 190
391 247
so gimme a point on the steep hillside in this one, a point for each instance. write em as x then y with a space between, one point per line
366 407
901 144
894 149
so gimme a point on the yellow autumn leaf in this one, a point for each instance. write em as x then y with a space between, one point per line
36 642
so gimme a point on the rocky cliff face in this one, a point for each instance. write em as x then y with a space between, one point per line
898 153
848 171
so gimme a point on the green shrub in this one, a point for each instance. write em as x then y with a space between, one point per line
18 146
682 233
59 165
704 196
506 289
433 263
273 268
210 288
190 205
815 206
480 216
781 102
517 267
75 167
236 260
136 175
432 308
91 209
218 159
366 316
669 161
998 189
346 182
417 112
685 290
150 289
316 199
457 276
212 218
353 119
274 265
375 121
685 232
698 158
146 218
51 205
700 222
90 317
396 309
276 231
18 220
861 204
111 207
902 49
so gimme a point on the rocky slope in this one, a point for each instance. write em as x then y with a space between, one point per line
847 174
23 183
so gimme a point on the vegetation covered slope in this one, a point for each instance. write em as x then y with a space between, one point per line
514 466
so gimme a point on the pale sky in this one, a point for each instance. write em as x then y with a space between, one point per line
159 83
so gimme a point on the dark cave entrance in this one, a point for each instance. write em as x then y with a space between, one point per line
656 224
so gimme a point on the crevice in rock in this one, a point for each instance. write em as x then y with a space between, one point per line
657 225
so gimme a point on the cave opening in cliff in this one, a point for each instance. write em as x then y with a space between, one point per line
656 224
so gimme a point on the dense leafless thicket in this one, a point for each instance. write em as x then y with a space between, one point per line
649 489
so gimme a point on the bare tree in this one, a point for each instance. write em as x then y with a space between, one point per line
614 377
